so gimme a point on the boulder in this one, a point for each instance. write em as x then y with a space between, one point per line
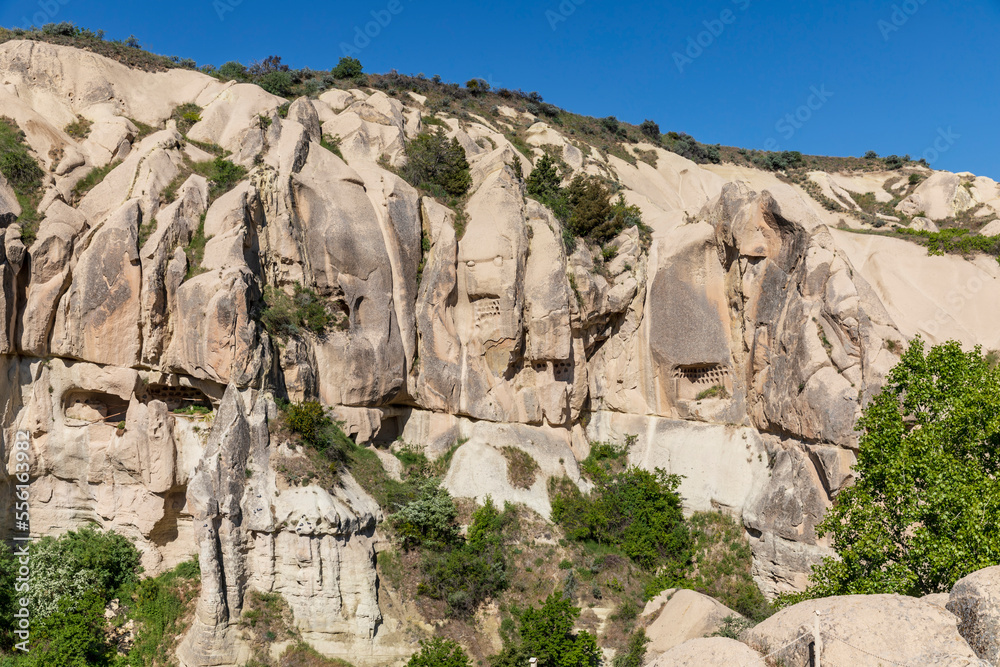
712 651
863 630
677 615
975 600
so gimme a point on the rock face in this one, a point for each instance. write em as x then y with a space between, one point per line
866 630
678 616
975 600
737 340
709 651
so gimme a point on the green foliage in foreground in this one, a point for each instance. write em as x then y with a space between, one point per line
923 511
438 652
546 633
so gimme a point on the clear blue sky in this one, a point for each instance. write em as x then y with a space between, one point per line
889 83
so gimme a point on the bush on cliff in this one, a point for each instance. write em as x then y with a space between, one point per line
584 206
923 512
437 165
546 633
466 574
636 510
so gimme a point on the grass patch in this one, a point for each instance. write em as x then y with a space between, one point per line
144 130
332 144
522 469
79 129
222 176
158 606
720 567
146 230
209 147
186 115
193 411
715 391
195 250
93 178
23 174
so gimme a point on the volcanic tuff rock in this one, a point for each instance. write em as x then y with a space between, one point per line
737 344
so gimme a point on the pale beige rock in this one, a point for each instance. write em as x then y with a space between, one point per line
865 630
715 651
975 600
678 615
98 318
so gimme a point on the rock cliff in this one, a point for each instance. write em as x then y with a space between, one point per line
738 341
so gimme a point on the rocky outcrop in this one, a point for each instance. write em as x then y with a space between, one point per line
863 630
677 616
737 337
975 600
314 546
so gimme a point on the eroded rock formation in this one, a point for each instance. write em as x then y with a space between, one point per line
737 342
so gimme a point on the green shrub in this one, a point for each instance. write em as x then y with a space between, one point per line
544 182
195 250
222 175
439 652
79 129
276 83
287 315
348 68
686 146
546 633
308 419
186 115
651 130
467 574
72 635
22 173
437 165
16 164
429 520
232 71
635 510
634 653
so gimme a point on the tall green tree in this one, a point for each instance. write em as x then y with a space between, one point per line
923 512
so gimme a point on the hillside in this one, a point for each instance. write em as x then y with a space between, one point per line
188 258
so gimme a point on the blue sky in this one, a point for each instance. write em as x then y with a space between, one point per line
836 78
